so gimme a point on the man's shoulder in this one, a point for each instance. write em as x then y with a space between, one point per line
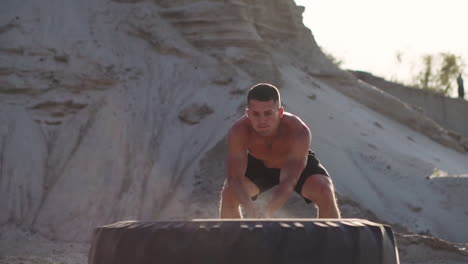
240 126
295 123
238 134
298 134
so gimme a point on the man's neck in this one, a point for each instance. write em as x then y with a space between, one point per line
274 135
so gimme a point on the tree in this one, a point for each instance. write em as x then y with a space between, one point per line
425 77
439 72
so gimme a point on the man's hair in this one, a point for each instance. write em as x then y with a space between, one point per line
264 92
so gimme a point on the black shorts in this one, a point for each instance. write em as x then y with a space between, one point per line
266 178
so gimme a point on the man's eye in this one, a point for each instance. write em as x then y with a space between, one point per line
268 114
255 114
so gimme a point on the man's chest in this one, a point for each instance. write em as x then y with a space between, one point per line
271 152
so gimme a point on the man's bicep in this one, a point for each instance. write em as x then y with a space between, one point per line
300 147
237 139
297 159
237 154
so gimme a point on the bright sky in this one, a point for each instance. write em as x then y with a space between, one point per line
367 34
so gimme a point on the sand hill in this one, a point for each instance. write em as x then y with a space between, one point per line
118 110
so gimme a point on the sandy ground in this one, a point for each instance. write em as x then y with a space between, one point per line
24 247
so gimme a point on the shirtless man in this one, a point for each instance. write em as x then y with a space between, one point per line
269 147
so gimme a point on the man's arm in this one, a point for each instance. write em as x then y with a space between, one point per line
291 171
237 164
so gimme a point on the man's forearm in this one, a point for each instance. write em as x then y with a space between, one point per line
280 196
236 166
241 194
288 179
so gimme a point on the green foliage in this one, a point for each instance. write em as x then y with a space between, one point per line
425 77
439 72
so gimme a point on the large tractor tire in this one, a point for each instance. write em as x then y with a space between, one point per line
244 241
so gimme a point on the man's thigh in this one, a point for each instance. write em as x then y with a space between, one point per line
315 185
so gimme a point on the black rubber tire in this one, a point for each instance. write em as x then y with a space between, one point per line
245 241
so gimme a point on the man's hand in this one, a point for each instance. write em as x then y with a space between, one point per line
267 214
252 212
258 212
264 214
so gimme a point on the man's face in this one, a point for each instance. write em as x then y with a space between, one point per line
264 116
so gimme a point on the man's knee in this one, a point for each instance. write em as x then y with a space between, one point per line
319 189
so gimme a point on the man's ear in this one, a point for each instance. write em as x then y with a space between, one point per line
280 112
247 112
